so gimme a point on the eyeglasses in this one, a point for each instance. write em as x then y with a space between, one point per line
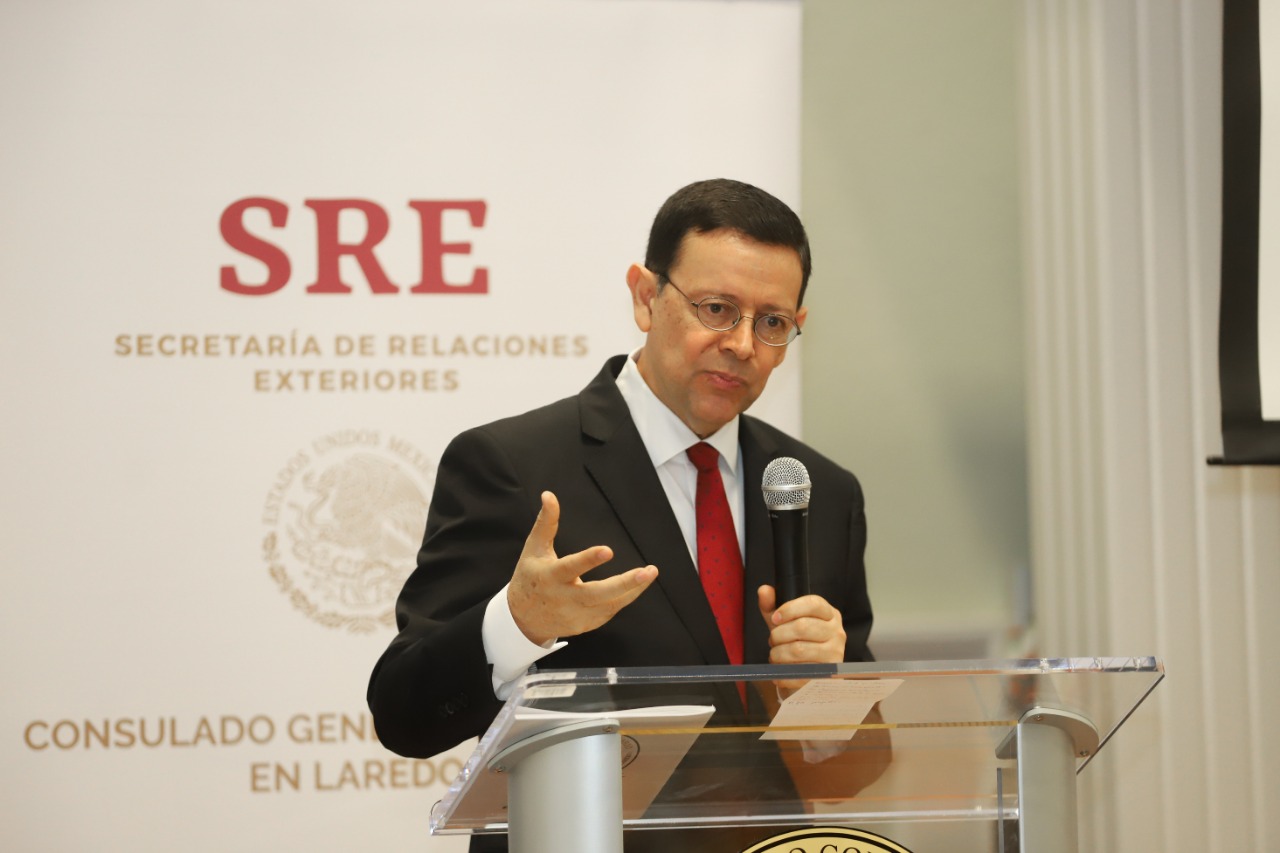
721 315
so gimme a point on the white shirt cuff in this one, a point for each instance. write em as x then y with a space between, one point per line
506 646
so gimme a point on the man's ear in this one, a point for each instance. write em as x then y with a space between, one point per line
644 289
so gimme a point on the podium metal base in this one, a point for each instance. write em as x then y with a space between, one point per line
564 790
1047 743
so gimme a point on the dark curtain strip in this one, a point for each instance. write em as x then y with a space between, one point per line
1246 438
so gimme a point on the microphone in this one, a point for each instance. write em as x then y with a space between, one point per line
786 493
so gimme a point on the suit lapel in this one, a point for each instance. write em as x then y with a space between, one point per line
618 462
757 452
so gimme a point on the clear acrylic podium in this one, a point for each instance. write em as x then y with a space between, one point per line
953 756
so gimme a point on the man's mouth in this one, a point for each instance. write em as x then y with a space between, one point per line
725 381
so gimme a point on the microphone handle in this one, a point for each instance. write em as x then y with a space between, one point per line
790 553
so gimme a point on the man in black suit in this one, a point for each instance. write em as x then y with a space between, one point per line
567 536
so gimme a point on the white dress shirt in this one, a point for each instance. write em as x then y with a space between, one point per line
666 438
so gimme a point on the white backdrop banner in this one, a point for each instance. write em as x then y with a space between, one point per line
263 261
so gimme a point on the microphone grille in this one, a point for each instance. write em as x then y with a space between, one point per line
786 484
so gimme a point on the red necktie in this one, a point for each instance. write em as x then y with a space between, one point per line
719 560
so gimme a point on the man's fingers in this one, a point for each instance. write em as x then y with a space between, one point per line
541 539
573 566
805 630
625 587
619 590
802 653
767 600
812 606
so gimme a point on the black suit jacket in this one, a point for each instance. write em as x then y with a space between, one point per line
431 689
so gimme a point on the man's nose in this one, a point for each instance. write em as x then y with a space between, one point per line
741 339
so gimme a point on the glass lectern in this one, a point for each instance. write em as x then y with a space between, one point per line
953 756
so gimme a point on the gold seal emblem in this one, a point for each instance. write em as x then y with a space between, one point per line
827 839
344 520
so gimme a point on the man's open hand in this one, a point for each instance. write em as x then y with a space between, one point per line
547 595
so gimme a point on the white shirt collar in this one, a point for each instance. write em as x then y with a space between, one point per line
665 436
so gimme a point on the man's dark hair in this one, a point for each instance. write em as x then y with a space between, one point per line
722 203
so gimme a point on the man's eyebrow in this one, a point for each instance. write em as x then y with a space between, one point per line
767 308
778 309
774 308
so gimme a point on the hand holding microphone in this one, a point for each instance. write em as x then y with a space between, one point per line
803 628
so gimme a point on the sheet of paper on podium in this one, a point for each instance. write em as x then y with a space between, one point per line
835 702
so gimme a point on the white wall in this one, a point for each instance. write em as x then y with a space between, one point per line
913 354
911 185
